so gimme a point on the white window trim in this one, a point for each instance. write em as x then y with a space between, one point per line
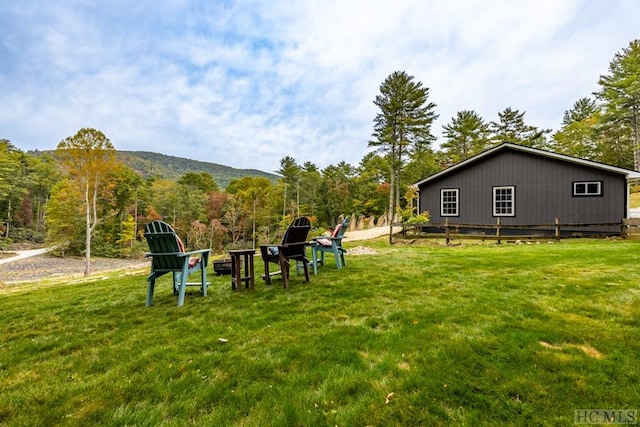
586 193
513 200
457 193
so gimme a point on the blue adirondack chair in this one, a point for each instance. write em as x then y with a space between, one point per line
168 256
333 245
292 248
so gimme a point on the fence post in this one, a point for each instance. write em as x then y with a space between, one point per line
446 230
498 230
557 232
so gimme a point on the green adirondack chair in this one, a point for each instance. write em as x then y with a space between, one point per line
333 245
168 256
292 248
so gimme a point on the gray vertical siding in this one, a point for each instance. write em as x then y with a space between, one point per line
543 191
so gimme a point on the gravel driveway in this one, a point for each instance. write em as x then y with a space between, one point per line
45 266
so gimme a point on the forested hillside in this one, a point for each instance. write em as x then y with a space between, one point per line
148 164
155 164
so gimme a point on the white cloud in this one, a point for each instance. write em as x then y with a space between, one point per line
245 83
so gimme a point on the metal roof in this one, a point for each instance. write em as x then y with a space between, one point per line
629 174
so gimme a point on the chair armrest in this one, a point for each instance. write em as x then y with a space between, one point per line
293 245
204 255
264 250
199 251
292 249
334 239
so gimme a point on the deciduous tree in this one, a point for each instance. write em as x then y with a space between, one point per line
65 219
335 191
11 182
372 188
251 194
44 173
88 158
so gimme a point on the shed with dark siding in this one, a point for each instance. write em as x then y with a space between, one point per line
527 186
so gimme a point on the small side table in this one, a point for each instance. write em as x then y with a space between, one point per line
239 257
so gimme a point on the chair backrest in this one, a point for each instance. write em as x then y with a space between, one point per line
297 231
341 228
162 239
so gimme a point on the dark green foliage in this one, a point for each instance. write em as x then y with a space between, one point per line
582 109
579 134
466 135
25 185
511 127
620 95
607 131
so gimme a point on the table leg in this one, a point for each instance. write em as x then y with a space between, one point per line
235 273
314 257
252 272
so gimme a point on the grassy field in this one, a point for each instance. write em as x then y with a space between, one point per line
419 334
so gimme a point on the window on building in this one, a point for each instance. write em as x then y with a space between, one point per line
449 202
587 188
504 201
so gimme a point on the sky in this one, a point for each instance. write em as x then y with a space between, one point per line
245 83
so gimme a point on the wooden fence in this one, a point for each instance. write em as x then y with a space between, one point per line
498 231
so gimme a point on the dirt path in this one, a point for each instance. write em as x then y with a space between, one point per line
23 254
371 233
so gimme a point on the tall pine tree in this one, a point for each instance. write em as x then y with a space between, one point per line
579 133
404 120
620 95
511 127
466 135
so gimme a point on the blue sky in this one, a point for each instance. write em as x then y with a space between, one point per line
245 83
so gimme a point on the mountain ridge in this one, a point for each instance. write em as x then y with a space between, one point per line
149 163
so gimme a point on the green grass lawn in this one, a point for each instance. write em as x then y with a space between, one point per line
419 334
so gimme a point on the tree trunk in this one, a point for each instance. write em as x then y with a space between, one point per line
391 199
636 139
254 224
87 241
135 222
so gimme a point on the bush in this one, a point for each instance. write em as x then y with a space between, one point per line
423 218
19 234
5 244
